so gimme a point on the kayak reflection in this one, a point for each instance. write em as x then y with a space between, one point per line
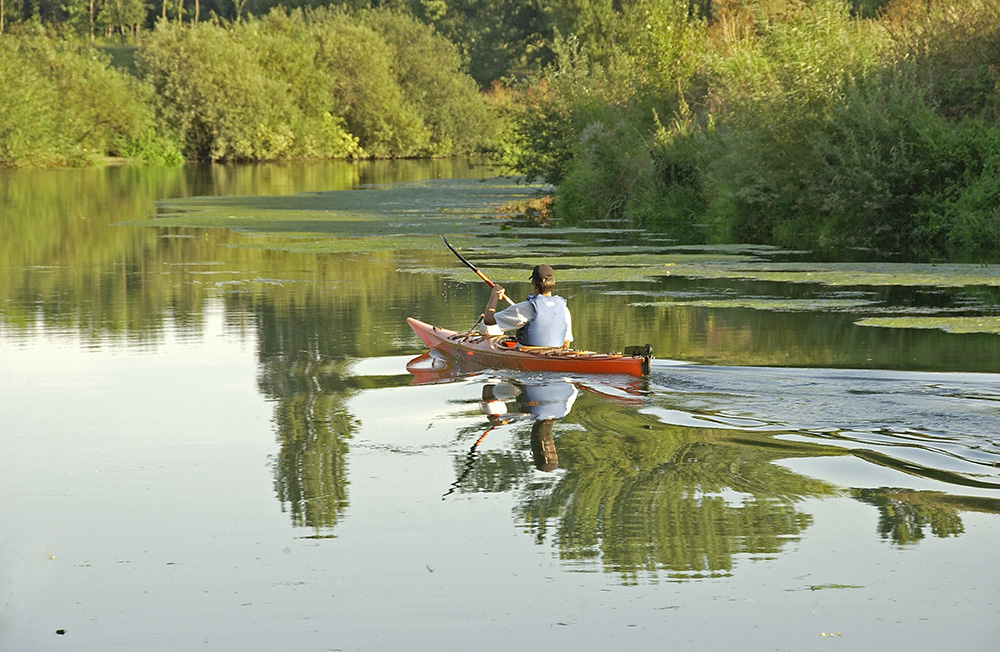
540 401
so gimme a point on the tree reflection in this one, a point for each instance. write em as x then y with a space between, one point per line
905 515
308 377
645 497
313 427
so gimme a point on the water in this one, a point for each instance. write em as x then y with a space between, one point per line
209 438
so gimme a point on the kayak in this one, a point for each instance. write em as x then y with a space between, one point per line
501 351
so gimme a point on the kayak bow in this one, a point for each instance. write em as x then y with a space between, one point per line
500 351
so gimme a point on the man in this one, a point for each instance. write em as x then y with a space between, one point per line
543 319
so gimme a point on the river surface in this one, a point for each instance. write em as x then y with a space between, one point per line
210 439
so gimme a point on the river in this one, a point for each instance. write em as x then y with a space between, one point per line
209 437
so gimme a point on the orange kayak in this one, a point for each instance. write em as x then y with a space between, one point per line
500 351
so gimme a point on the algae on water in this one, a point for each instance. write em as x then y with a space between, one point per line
971 324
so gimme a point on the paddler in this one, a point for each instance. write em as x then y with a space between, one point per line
541 320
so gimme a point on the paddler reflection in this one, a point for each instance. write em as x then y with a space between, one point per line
541 402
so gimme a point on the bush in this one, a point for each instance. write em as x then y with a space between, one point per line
215 93
964 218
288 55
793 124
956 46
677 200
608 171
358 63
429 70
315 83
61 103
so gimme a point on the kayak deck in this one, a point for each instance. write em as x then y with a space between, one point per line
501 351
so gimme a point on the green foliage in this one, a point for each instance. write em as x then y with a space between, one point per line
505 38
547 115
586 124
62 103
429 71
149 146
677 196
316 83
608 170
956 49
967 217
790 123
856 175
375 108
664 42
836 146
216 93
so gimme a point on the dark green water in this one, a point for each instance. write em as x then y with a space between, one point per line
208 435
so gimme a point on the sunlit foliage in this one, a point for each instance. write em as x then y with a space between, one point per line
317 83
61 103
824 124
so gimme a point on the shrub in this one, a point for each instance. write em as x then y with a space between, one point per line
359 65
606 174
677 200
429 71
956 48
62 103
215 93
283 46
963 219
315 83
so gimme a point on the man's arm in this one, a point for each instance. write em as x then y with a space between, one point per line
491 306
510 318
569 330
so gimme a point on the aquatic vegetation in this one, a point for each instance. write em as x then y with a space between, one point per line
824 587
764 303
389 218
976 324
412 215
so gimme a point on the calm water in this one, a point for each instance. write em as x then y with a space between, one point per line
209 437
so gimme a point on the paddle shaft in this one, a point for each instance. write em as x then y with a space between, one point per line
476 270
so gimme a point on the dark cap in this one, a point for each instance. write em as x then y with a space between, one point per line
542 272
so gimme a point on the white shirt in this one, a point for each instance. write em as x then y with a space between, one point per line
516 316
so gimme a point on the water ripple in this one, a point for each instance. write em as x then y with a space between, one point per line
931 424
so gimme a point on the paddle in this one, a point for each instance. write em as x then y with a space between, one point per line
470 459
476 270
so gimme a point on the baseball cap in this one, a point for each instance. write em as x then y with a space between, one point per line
541 272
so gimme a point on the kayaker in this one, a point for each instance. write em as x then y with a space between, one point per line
541 320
